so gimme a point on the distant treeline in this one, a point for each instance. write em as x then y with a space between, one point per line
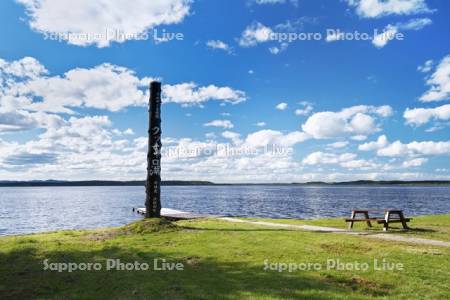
381 182
181 183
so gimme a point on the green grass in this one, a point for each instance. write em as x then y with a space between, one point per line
427 227
221 261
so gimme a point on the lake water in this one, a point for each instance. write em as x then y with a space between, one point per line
37 209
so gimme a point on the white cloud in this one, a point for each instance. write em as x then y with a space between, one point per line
338 145
233 136
128 131
359 164
428 148
103 87
85 17
210 135
27 67
379 8
254 34
439 83
384 111
217 44
306 110
415 24
380 40
363 124
260 124
355 120
320 158
267 137
325 125
278 49
294 2
359 137
282 106
334 36
421 116
16 121
220 123
191 94
381 142
416 162
426 67
389 33
25 84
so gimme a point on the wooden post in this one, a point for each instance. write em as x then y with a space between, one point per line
153 182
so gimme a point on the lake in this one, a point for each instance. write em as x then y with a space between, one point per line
38 209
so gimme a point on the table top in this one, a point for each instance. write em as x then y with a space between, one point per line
377 210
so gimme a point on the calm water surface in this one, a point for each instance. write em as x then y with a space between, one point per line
37 209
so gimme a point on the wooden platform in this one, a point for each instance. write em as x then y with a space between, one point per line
175 214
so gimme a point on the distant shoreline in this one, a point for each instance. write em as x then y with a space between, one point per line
50 183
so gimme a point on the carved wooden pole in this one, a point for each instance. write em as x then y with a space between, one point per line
153 183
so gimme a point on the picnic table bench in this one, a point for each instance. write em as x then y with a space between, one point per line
390 216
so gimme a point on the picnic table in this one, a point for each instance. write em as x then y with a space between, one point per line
390 216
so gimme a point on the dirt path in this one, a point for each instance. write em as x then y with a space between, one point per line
374 235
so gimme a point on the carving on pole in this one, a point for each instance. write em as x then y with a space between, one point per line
153 182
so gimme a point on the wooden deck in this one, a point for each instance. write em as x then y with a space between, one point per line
175 214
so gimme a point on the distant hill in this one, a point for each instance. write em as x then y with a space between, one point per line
184 183
381 182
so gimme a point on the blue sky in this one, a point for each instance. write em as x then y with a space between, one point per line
338 109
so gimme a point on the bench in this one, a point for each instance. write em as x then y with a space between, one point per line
386 220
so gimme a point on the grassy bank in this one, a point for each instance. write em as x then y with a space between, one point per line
427 227
223 261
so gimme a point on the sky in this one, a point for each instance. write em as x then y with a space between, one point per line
253 90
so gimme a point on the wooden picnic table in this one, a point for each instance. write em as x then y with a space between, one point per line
390 216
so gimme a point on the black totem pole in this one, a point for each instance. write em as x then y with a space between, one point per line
153 182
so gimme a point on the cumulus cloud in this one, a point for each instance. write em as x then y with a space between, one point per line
416 162
356 120
16 121
220 123
337 145
439 83
381 142
380 8
319 158
27 67
421 116
398 149
233 136
254 34
282 106
218 44
88 21
258 33
267 137
191 94
27 86
380 40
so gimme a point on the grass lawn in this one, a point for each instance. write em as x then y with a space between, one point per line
427 227
223 260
